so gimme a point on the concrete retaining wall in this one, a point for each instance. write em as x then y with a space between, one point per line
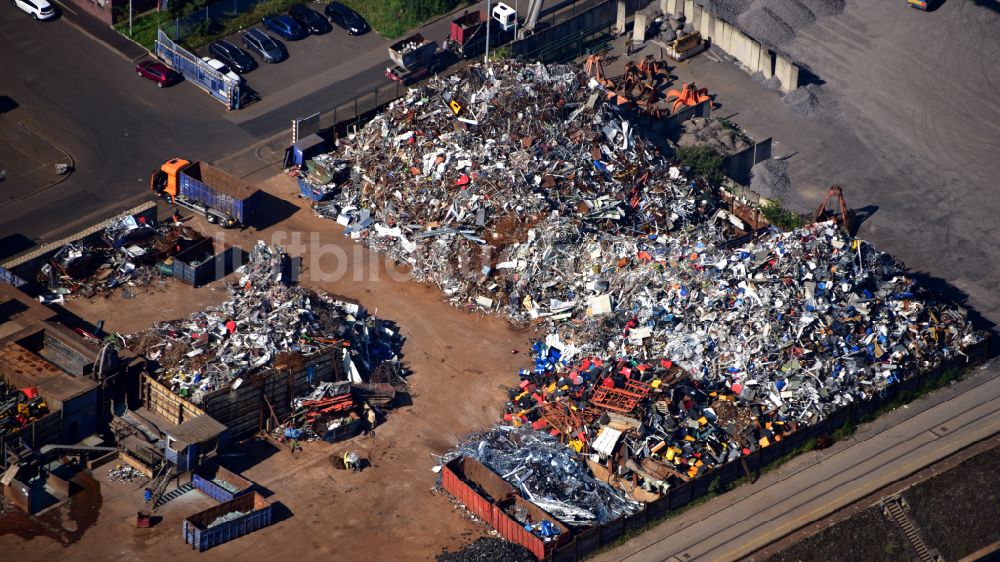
750 53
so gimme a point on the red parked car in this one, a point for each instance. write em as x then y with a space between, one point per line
157 72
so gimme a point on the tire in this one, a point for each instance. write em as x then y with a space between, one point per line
159 84
139 74
34 16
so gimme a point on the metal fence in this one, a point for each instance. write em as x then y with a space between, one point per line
198 72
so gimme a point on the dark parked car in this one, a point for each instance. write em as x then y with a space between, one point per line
157 72
309 19
346 18
284 26
234 57
262 44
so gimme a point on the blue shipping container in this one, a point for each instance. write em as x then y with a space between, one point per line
310 192
201 536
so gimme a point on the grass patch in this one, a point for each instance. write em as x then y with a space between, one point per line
393 18
703 161
143 27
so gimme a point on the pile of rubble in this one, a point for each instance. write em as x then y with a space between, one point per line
713 132
461 178
264 320
124 473
130 253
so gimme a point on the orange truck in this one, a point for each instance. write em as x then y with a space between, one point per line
222 198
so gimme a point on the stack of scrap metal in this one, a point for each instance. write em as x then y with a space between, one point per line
263 319
19 407
486 181
328 411
129 252
549 474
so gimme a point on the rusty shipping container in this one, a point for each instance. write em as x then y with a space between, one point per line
463 476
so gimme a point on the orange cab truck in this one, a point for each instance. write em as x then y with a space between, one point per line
222 198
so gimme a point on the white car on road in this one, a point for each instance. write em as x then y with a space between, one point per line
39 9
222 69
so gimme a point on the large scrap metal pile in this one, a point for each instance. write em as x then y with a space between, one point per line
265 322
130 253
484 181
670 348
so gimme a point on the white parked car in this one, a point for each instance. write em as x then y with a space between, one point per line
39 9
223 69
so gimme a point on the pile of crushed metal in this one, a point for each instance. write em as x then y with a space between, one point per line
488 549
481 180
131 253
265 320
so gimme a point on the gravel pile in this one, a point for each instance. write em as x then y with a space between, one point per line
773 22
772 83
770 179
807 100
489 549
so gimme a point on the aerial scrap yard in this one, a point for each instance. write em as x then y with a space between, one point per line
674 346
674 341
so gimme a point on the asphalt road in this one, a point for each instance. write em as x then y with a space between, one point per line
90 102
739 523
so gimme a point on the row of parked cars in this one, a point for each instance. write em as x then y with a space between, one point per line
298 23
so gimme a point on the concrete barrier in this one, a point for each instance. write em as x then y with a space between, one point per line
621 16
639 25
688 8
787 73
765 63
707 25
755 48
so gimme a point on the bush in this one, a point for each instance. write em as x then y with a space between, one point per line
781 217
703 160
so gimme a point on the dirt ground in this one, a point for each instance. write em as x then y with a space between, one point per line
387 512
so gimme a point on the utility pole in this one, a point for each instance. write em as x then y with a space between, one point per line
129 18
486 57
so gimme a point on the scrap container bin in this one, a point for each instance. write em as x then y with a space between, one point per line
257 515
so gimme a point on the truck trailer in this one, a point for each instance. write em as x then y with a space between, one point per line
415 58
222 198
468 33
